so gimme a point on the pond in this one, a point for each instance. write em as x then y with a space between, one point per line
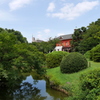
31 89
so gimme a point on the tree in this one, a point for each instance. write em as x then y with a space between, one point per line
46 47
91 38
85 38
16 57
77 38
18 35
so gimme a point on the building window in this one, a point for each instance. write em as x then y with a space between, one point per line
67 43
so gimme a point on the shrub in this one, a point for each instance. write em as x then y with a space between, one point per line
95 53
53 59
73 63
90 85
87 55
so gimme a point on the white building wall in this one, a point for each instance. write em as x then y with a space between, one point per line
58 48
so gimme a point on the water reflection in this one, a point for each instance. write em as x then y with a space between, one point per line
30 89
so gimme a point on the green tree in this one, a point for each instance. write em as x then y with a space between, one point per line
77 38
16 57
18 35
91 38
46 47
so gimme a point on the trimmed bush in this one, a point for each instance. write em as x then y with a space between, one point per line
73 63
53 59
90 85
95 54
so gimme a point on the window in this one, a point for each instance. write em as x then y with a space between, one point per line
67 43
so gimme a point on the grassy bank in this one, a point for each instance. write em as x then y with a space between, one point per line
69 82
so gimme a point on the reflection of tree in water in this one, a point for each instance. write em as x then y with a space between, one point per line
28 92
25 92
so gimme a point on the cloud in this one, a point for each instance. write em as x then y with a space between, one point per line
16 4
47 30
70 11
51 7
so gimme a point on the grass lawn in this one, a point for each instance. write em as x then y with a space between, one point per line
69 81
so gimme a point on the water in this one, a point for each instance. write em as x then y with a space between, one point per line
31 89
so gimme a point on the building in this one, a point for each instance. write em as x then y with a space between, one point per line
37 40
64 44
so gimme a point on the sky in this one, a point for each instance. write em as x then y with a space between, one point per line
44 19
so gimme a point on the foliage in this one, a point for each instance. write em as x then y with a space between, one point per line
77 38
46 47
95 53
16 57
54 58
18 34
85 38
90 84
71 82
87 55
73 62
91 38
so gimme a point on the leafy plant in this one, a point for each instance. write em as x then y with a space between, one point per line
95 53
90 84
73 63
53 59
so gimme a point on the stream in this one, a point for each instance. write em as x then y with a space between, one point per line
31 89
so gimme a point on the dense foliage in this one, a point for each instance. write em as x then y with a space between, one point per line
18 34
95 53
46 47
84 39
54 58
77 38
73 63
17 57
90 85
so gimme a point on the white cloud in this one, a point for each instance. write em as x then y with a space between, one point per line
47 30
70 11
16 4
51 7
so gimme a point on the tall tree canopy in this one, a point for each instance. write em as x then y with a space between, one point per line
16 57
18 34
77 38
92 36
85 38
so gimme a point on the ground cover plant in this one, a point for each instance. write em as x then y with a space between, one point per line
90 85
70 82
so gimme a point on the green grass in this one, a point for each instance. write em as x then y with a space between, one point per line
69 81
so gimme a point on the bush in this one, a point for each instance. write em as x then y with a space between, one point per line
87 55
73 63
90 85
95 54
53 59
